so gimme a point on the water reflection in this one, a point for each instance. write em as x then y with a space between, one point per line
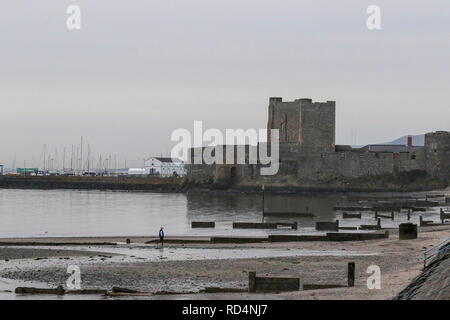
51 213
243 207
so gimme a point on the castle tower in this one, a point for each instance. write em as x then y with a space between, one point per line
307 125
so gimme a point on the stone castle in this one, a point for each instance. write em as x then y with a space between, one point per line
311 160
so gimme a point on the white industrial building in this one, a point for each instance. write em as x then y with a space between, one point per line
164 166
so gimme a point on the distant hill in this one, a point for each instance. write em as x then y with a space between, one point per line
418 140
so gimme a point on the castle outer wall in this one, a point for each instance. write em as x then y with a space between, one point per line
310 160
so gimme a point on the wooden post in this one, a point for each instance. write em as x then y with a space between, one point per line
379 223
409 214
442 215
252 281
376 215
351 274
392 215
263 200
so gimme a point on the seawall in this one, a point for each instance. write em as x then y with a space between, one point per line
174 185
125 183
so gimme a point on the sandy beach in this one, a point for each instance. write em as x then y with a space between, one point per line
188 268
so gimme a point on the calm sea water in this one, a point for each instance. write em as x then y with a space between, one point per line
34 213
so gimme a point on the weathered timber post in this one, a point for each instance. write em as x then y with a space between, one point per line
379 223
252 281
409 214
351 274
263 200
392 215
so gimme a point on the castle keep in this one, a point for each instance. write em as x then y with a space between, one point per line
304 126
310 159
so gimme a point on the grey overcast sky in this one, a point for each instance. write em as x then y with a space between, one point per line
137 70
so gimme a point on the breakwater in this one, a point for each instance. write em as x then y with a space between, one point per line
183 184
146 183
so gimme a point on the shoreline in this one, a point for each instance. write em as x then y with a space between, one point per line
173 240
400 262
182 185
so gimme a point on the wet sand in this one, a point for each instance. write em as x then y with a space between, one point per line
188 268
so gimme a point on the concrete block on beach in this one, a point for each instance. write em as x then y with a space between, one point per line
224 239
30 290
295 238
356 236
203 224
272 284
325 225
407 231
263 225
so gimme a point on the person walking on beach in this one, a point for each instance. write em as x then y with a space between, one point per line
161 236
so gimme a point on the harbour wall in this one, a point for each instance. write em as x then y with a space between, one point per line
412 181
146 183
